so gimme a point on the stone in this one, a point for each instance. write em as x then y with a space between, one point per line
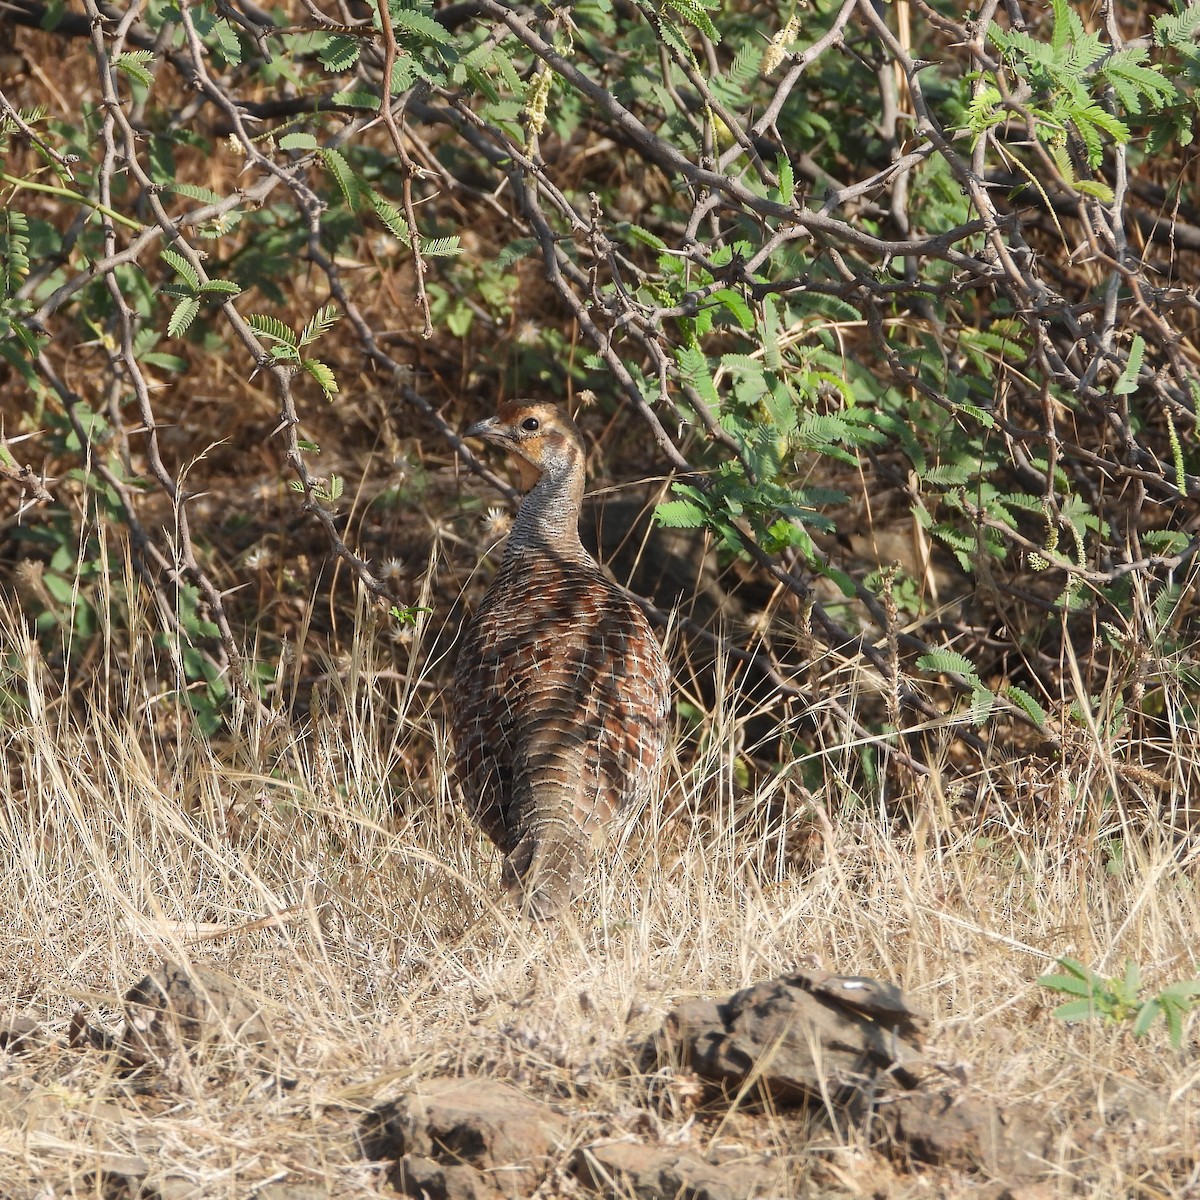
181 1009
656 1172
20 1032
942 1128
808 1035
465 1139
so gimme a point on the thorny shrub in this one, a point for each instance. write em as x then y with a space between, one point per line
844 268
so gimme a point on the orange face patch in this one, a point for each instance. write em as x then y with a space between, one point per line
527 473
537 433
533 450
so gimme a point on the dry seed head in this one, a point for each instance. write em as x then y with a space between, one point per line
497 522
258 558
528 332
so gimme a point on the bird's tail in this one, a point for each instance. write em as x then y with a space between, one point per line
542 873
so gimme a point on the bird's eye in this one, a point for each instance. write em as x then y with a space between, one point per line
531 424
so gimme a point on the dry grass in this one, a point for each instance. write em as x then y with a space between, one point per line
127 838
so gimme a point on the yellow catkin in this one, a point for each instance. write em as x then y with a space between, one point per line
773 55
535 106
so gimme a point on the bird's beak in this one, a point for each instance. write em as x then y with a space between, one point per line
482 429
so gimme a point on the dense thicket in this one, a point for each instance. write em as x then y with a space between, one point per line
898 306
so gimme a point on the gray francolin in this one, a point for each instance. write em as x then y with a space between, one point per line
560 698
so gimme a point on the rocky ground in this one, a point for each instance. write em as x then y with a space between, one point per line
780 1081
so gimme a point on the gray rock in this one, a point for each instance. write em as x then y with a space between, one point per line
180 1009
855 1041
940 1128
465 1139
802 1036
655 1172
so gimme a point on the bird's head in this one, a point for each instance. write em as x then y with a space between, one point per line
542 436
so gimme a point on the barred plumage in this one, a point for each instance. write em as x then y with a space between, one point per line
560 700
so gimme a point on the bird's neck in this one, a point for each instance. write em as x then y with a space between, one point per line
548 519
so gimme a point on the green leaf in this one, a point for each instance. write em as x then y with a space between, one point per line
1147 84
297 141
352 99
194 192
769 332
1061 30
478 78
1076 1010
947 662
272 328
339 53
947 475
321 322
14 247
1145 1016
404 73
515 251
1076 968
1133 978
787 179
423 28
221 286
1032 709
227 41
390 215
1174 1018
180 266
1065 983
165 362
694 14
982 702
339 168
693 366
1183 992
981 415
184 314
1129 376
679 514
323 375
1176 30
131 65
735 302
53 15
638 234
1097 189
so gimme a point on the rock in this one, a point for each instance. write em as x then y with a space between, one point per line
19 1032
182 1009
465 1139
430 1180
947 1130
655 1172
803 1036
283 1190
814 1036
170 1186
